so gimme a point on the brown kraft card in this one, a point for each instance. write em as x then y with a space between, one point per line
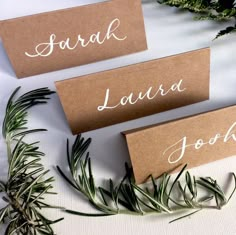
66 38
195 140
106 98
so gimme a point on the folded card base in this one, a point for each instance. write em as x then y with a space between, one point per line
194 140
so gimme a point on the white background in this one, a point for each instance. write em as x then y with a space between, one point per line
169 32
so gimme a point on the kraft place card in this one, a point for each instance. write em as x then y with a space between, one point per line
194 140
106 98
66 38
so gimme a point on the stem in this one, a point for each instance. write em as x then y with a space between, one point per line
96 203
16 205
8 143
150 212
104 207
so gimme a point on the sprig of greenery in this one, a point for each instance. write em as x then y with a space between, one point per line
159 196
218 10
25 189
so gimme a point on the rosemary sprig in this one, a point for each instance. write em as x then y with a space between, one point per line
217 10
25 189
158 196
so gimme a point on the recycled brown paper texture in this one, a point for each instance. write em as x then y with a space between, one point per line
106 98
195 140
66 38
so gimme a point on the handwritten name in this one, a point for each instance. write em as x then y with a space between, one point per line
45 49
176 151
150 94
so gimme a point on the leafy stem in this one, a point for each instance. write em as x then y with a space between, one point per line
26 187
161 195
217 10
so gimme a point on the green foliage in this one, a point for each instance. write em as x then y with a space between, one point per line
218 10
158 196
25 189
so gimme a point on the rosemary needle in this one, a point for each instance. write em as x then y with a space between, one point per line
26 186
128 198
216 10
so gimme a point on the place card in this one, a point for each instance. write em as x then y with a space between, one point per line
66 38
106 98
194 140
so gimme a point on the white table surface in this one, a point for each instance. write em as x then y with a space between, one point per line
169 32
